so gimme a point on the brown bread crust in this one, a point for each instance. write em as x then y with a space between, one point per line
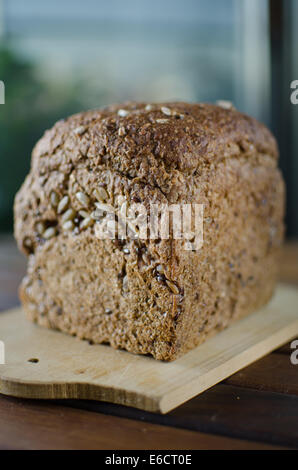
109 291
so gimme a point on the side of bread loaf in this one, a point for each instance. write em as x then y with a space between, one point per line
150 296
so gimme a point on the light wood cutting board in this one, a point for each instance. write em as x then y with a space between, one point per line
41 363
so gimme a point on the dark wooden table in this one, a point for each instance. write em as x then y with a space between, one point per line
256 408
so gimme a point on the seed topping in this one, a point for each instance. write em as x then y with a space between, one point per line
122 112
162 121
86 223
166 111
69 225
54 199
225 104
63 204
122 131
49 233
101 194
82 198
84 214
40 227
80 130
68 215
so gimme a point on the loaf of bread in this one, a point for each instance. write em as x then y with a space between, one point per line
150 296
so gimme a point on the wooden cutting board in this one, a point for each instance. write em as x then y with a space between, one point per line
47 364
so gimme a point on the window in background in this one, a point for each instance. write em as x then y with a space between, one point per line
96 52
284 40
152 50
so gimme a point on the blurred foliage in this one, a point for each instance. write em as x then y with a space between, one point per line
31 106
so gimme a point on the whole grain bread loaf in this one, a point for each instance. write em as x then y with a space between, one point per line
150 296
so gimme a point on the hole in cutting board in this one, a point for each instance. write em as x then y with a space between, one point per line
34 360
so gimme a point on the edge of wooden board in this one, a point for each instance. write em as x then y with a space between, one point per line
256 352
216 361
78 391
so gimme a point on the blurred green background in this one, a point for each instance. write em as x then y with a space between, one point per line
60 57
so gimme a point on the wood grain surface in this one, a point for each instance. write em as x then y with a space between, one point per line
34 425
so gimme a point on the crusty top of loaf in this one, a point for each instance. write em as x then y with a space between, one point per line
130 137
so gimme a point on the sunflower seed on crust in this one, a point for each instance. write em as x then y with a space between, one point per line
82 198
63 204
49 233
68 225
86 223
